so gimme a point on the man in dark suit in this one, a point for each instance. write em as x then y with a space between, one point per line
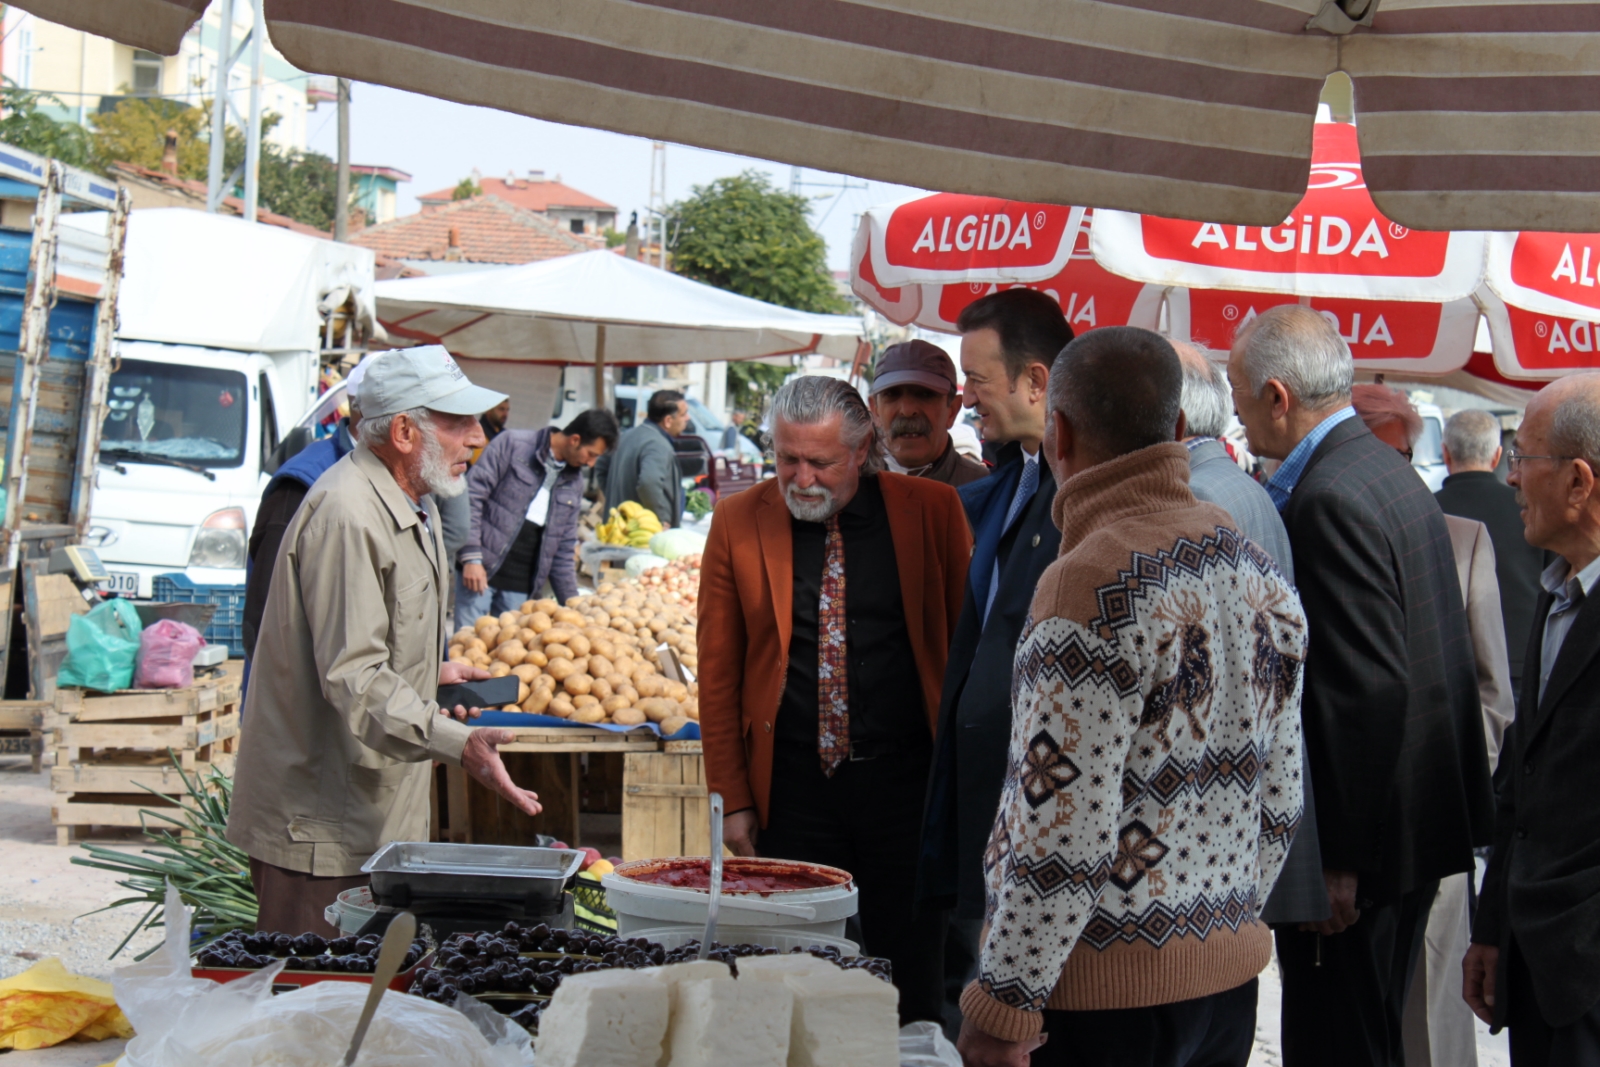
1009 339
1471 454
1535 960
1392 721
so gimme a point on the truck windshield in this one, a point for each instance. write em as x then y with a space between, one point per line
193 414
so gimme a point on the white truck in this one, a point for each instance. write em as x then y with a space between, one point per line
224 325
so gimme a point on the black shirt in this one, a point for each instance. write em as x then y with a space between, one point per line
516 572
886 707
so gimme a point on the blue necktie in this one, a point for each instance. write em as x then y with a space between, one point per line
1026 487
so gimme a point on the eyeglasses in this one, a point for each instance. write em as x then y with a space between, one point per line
1514 459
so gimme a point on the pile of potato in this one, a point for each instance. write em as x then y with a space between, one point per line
592 661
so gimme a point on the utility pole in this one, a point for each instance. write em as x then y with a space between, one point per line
219 106
252 142
341 210
657 207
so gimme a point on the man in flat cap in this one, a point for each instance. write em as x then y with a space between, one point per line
915 400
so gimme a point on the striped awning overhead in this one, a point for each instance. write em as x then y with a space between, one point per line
1475 114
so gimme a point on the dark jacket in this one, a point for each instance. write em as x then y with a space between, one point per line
1482 496
975 706
279 502
644 468
1543 884
501 485
1300 894
1391 714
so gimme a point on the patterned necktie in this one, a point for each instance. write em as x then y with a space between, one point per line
833 714
1026 487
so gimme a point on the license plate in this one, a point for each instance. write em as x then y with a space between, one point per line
124 582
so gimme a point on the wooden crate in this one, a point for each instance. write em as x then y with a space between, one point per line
22 727
110 748
665 808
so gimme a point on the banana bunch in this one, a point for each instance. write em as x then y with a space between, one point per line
630 524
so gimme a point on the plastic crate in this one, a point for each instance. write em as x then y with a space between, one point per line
227 625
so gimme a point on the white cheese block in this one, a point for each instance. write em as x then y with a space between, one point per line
842 1019
720 1022
604 1019
674 975
789 963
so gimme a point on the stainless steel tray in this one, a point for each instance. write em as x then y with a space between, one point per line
403 871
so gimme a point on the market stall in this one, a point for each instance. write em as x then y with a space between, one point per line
607 719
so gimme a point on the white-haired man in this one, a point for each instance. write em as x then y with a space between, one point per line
827 600
1392 720
1472 490
1535 960
340 724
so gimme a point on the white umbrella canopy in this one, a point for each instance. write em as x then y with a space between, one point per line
601 307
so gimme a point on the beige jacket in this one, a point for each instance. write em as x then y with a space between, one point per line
1480 589
339 724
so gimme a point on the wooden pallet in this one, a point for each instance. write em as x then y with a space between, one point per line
110 748
577 739
665 807
22 729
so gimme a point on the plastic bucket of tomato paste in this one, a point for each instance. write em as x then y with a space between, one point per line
806 898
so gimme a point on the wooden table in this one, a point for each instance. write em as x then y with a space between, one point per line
545 759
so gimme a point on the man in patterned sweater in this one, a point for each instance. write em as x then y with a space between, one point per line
1154 779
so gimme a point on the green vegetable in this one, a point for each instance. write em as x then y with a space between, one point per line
670 544
211 873
699 503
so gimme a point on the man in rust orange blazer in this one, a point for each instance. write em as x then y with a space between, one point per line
827 601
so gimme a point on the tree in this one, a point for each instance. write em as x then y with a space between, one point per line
466 189
743 235
136 132
751 383
26 127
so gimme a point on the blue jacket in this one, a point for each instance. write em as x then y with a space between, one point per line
975 708
307 465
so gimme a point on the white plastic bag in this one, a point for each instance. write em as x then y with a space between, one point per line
924 1045
184 1021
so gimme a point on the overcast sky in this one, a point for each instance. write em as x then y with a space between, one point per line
439 143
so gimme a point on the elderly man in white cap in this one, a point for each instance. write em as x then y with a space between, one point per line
340 724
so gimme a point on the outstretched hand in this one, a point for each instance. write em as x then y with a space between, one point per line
481 759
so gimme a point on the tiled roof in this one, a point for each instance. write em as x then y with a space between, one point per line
534 195
486 229
196 190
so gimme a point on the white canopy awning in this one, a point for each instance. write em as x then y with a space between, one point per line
600 306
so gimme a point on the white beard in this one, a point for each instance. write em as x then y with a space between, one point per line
435 473
810 505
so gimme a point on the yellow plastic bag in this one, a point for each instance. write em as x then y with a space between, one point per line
47 1004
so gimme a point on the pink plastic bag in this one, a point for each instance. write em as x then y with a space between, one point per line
166 655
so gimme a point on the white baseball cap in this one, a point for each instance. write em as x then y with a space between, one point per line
352 381
422 377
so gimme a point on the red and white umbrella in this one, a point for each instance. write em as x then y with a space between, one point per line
1383 335
925 259
1335 244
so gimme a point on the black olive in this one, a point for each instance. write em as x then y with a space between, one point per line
567 965
468 984
560 935
468 947
511 930
545 983
282 945
496 948
294 963
549 944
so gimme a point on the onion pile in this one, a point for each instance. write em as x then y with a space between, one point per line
678 582
592 661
